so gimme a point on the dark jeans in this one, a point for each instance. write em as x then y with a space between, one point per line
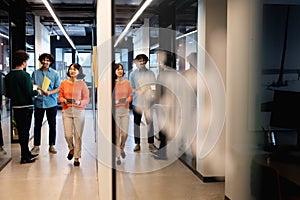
38 122
162 150
1 134
137 133
23 118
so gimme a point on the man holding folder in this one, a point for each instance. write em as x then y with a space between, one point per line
48 80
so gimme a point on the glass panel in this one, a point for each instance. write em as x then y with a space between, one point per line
63 58
30 42
5 126
167 37
85 60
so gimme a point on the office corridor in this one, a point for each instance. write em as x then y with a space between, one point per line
54 177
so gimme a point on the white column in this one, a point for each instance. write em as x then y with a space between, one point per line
41 38
104 63
241 59
211 99
141 40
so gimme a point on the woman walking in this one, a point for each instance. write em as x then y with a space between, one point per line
74 96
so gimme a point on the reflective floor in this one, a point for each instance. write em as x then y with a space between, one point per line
53 176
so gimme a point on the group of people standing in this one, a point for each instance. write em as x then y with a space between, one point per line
39 94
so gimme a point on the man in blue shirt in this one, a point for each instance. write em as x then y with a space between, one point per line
142 81
48 80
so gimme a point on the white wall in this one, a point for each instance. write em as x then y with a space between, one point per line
141 40
240 88
212 57
42 40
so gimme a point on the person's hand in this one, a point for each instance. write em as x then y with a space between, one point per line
40 92
46 93
78 102
138 92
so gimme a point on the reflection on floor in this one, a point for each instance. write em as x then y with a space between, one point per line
53 176
140 176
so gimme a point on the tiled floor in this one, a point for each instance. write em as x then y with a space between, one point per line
54 177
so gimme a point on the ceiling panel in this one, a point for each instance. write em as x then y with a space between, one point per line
77 16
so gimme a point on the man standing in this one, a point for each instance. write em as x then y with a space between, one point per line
48 80
142 81
20 90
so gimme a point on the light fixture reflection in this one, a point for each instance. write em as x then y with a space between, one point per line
3 35
56 19
186 34
133 19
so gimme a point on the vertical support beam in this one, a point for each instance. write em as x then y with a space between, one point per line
167 22
17 25
104 100
242 46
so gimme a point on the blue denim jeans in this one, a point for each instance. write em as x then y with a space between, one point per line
38 122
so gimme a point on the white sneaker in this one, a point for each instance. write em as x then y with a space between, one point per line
35 150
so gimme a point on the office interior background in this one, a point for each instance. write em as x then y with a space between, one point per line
247 130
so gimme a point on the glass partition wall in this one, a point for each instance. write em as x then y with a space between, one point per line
5 123
167 37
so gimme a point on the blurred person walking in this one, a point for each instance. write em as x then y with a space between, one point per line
123 96
142 82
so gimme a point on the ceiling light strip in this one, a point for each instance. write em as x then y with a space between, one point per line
58 22
3 35
133 19
186 34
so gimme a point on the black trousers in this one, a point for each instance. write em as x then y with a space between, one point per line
137 117
23 118
1 134
38 122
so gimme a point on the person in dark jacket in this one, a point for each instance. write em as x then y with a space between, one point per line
19 89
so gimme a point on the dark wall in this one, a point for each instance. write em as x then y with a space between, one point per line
274 23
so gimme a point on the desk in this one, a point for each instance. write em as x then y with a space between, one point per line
285 169
273 178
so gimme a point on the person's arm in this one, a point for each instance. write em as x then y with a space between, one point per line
129 98
28 88
47 93
56 86
132 82
85 95
33 78
61 94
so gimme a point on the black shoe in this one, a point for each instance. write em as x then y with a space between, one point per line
70 156
123 154
25 161
76 163
32 156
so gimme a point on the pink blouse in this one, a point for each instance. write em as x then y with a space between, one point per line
123 90
77 90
